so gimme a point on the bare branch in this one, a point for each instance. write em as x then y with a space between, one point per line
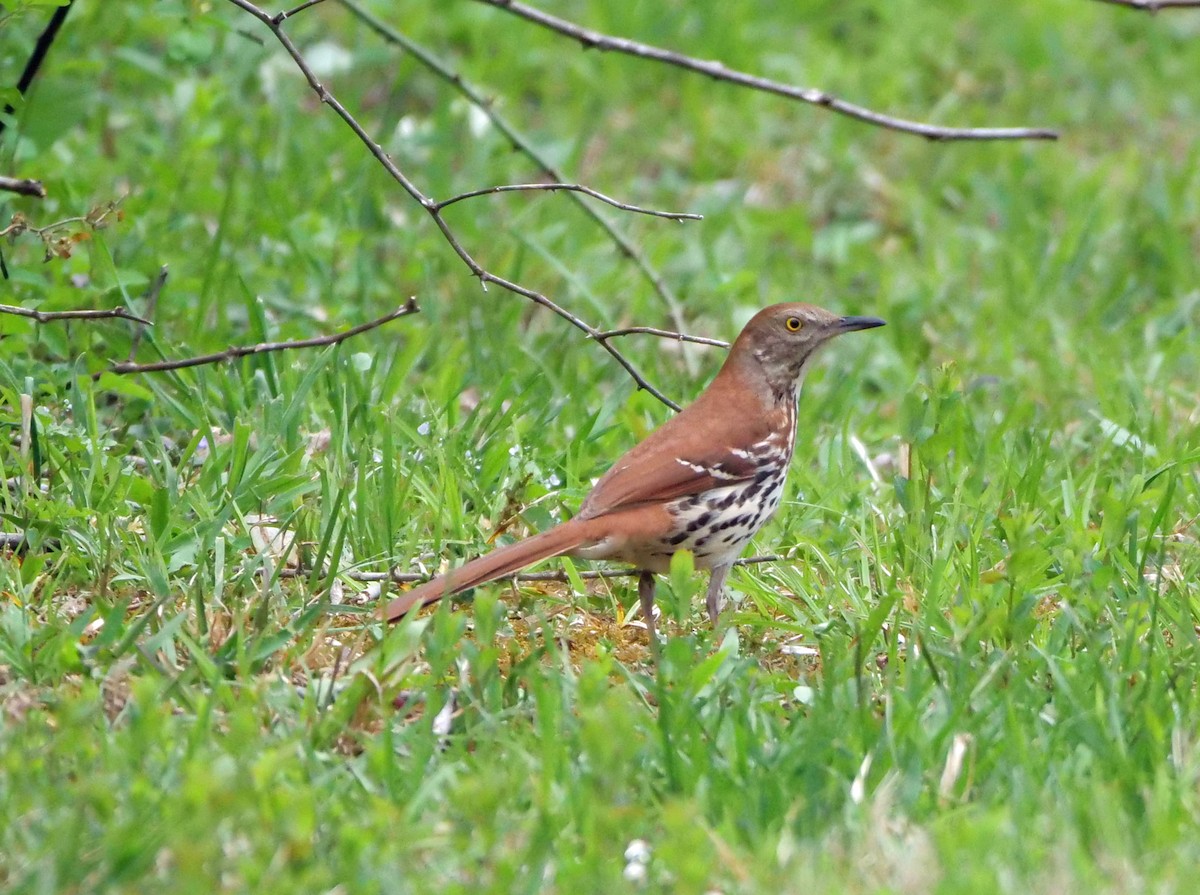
718 71
1154 5
527 148
430 205
485 277
661 333
279 17
409 307
569 187
23 186
98 314
62 246
38 56
96 219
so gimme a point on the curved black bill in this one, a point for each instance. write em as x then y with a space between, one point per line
850 324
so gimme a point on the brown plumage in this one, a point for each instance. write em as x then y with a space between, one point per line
705 481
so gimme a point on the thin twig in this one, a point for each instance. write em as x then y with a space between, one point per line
397 577
38 56
718 71
430 205
96 219
97 314
661 333
279 17
62 246
23 186
527 148
568 187
409 307
151 298
1154 5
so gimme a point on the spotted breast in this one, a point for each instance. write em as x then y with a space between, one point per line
717 524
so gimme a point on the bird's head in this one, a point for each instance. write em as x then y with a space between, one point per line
782 339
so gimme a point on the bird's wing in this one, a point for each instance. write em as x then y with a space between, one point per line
715 442
661 477
682 458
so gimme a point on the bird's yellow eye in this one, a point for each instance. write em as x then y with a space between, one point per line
793 324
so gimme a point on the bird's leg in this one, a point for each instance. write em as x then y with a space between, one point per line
716 586
646 595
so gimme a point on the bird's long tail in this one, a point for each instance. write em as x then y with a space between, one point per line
505 561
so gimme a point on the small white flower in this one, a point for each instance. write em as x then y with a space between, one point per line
635 873
638 852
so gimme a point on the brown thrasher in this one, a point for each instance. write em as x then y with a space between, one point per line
704 481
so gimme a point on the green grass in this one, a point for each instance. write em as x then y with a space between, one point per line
997 688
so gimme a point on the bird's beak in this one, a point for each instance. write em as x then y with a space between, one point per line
852 324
